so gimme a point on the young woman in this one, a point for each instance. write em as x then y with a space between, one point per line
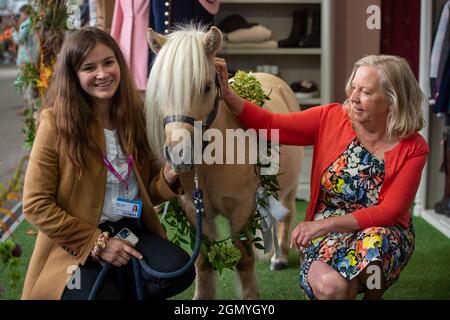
89 165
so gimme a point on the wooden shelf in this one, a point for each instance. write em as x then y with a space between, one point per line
278 51
270 1
315 64
310 102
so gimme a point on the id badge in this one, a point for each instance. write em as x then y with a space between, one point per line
128 208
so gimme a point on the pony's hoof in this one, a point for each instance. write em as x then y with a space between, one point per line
278 265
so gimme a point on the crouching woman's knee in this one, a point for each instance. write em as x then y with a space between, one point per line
331 286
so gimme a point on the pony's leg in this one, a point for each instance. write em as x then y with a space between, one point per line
206 277
240 214
246 272
284 232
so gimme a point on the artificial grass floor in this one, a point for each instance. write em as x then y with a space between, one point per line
427 275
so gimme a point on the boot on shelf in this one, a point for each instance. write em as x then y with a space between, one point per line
311 38
297 31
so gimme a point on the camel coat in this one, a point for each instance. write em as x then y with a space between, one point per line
129 29
105 11
67 210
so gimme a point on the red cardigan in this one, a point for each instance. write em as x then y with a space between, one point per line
328 128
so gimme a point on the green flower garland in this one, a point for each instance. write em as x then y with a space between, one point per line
223 254
10 259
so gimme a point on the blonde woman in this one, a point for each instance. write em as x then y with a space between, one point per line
367 163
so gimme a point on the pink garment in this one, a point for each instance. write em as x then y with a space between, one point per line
129 28
212 6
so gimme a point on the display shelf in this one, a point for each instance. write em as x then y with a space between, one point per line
310 102
293 64
269 1
274 51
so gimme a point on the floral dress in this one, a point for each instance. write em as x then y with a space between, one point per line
352 182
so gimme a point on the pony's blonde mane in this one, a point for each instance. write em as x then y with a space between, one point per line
176 80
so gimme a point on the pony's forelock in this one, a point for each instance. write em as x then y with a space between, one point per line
176 80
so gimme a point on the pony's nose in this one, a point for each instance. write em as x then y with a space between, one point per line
180 160
167 155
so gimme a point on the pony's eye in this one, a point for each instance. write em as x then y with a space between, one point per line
207 89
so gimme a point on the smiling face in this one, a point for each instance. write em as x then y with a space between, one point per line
368 102
99 74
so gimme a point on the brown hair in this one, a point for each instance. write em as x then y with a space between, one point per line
73 106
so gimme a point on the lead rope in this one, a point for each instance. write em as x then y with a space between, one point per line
197 196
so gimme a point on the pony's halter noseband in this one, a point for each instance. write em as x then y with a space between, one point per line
211 115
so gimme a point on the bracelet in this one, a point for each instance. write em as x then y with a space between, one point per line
99 245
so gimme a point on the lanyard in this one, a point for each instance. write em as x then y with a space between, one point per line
110 167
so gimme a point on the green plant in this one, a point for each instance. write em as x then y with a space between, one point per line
14 184
221 253
247 86
10 258
49 23
9 251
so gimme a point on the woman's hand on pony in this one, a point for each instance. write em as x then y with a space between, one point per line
119 252
169 174
233 101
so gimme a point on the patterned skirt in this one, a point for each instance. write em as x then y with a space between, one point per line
350 253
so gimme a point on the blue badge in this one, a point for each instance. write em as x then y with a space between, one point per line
128 208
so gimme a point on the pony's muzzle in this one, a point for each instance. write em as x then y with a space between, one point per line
179 159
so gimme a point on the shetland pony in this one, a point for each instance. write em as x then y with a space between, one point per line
182 87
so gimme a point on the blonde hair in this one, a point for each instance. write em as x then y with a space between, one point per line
176 80
401 88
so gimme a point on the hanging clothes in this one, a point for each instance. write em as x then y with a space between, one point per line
84 13
443 98
164 14
439 54
129 28
92 13
399 16
212 6
105 11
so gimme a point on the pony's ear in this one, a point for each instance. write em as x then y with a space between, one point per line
212 41
155 40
